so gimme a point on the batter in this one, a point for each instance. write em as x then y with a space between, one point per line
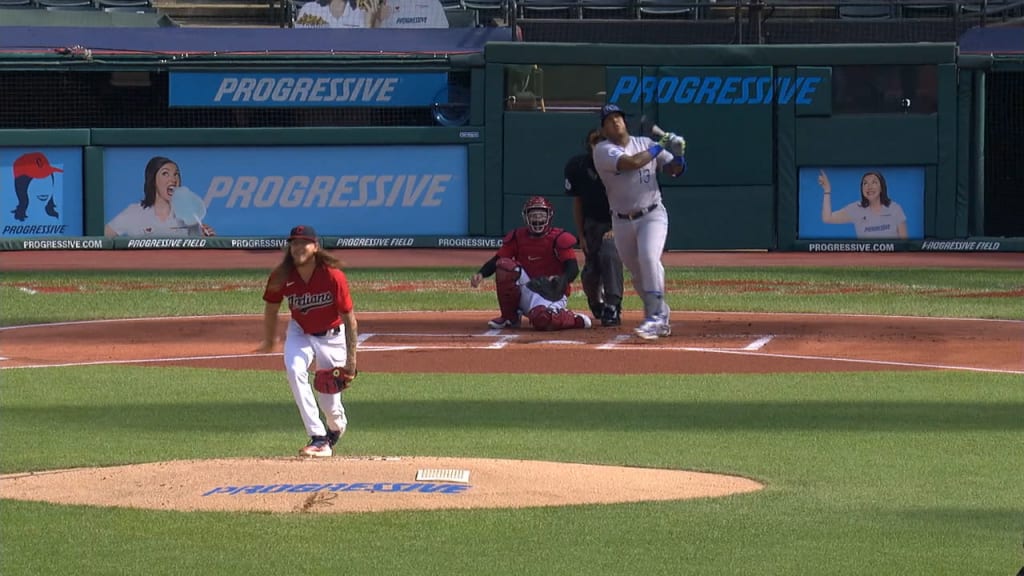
628 167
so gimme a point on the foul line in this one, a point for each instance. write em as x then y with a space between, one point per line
503 339
822 358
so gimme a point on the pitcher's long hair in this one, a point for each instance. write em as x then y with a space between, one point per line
281 272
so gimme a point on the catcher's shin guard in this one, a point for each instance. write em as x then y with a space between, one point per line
506 283
544 318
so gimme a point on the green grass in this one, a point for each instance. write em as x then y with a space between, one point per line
866 473
926 292
863 475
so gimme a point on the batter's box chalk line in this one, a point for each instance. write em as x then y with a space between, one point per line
443 475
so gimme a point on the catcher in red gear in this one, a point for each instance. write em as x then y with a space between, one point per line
533 273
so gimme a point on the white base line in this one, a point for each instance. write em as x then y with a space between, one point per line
501 343
506 339
851 360
759 343
614 342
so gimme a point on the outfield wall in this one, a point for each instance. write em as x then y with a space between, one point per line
443 152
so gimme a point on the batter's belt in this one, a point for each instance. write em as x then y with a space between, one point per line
638 214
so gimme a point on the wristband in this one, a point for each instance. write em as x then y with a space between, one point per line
655 150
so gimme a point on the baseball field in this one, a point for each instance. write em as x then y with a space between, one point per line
869 408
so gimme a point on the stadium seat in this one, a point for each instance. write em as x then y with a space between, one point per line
15 3
122 3
130 10
865 10
927 9
560 9
996 7
461 18
487 10
666 9
608 9
64 4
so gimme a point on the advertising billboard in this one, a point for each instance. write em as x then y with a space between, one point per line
40 192
263 191
861 202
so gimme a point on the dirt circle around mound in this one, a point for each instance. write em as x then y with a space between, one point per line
340 485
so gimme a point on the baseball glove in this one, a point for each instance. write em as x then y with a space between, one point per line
551 288
333 380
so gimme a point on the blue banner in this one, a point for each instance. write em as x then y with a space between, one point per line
40 192
861 202
700 87
309 90
264 191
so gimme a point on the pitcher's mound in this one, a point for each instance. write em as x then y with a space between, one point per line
367 484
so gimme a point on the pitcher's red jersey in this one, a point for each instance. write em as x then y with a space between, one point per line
317 305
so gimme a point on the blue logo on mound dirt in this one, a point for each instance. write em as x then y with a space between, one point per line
383 487
715 90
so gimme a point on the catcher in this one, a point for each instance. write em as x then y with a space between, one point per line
534 270
321 333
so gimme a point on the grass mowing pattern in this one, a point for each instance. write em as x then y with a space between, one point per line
867 473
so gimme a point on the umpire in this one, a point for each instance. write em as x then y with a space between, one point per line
602 269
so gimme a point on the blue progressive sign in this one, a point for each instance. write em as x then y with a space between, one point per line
264 190
716 90
295 90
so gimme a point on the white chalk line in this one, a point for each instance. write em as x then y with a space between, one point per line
436 312
619 343
759 343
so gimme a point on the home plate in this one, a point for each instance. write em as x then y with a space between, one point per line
559 342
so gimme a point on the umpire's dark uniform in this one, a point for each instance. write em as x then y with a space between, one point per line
602 271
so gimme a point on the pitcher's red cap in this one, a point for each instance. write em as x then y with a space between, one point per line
302 232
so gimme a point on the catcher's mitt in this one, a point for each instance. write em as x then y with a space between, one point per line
333 380
551 288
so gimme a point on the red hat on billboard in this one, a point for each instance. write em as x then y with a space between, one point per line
302 232
34 165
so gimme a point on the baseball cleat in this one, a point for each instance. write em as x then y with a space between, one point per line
318 447
610 316
499 323
664 329
650 329
583 321
333 436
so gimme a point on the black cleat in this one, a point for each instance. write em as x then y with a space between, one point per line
610 316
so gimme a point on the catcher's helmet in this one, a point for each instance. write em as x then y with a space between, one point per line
537 213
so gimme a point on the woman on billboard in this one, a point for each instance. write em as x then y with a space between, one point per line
159 213
875 216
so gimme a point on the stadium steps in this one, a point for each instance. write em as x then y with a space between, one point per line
233 13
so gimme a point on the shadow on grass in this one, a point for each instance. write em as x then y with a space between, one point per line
548 415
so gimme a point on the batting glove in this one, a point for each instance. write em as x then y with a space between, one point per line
680 161
678 145
674 143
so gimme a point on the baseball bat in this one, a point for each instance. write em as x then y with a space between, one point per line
657 132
